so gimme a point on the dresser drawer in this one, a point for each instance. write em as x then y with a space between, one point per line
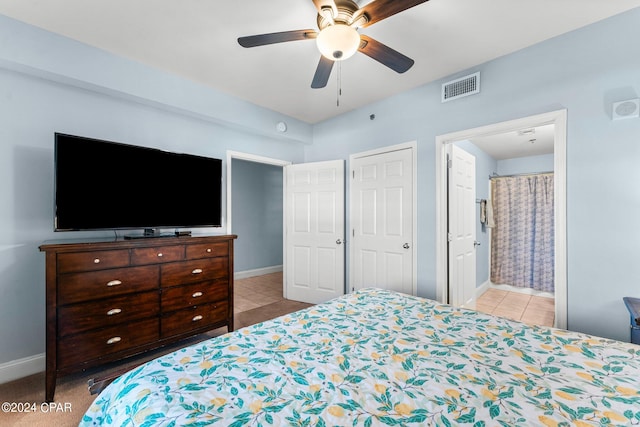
90 261
79 348
193 318
87 316
179 297
208 250
76 287
158 254
194 271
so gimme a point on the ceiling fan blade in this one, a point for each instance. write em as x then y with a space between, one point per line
378 10
385 55
322 74
271 38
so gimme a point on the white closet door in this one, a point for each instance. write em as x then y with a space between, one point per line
314 192
382 221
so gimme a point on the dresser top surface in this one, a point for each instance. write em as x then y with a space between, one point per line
121 243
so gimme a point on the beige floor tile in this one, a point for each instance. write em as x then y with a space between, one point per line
485 308
543 311
496 292
508 310
489 300
512 305
513 296
538 318
240 305
257 291
542 302
510 316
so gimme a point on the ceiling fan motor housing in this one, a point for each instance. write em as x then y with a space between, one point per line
346 10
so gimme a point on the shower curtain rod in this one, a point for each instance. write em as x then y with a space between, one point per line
495 175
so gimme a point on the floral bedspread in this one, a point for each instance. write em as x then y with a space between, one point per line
376 357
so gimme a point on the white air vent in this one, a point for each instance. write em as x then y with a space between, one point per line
464 86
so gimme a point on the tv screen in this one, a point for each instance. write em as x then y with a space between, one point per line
109 185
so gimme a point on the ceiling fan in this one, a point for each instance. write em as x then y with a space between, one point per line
338 38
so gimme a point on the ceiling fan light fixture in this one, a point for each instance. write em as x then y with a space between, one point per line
338 42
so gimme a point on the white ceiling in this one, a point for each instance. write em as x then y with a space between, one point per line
196 39
534 141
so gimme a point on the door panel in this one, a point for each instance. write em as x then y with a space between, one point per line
314 231
382 208
393 211
302 212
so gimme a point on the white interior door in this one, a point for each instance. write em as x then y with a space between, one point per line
462 228
314 235
382 220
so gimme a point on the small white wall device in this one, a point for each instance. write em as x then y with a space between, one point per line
281 127
626 109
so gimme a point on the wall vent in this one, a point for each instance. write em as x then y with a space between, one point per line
464 86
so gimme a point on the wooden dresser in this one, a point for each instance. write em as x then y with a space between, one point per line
107 300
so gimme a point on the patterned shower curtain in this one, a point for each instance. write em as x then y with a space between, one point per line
522 241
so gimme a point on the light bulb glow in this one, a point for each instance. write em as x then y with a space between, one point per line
338 42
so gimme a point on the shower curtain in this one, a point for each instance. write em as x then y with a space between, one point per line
522 241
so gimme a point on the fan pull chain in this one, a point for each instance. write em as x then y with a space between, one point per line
339 76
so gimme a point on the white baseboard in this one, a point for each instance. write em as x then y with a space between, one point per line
527 291
21 368
257 272
482 288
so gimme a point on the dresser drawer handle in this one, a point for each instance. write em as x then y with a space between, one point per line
196 294
196 318
114 311
196 271
96 261
114 340
160 254
114 283
208 250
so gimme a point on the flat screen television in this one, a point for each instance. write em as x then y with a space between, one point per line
108 185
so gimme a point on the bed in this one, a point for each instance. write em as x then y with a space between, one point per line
376 357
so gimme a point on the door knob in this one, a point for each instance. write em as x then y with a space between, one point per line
476 243
338 242
406 246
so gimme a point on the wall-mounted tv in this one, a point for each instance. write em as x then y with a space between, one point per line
108 185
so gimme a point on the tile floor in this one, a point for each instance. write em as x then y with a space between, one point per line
254 292
513 305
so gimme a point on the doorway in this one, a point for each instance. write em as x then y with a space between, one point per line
252 274
558 119
312 224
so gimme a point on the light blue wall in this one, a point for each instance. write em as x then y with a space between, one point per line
30 50
50 84
256 214
530 164
583 71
